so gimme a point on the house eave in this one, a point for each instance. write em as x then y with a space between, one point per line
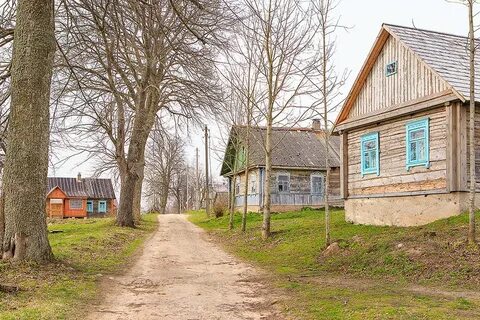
278 168
399 110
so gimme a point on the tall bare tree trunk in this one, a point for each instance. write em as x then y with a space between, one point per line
471 229
245 198
268 176
135 165
326 135
26 166
247 163
2 221
163 203
137 200
232 202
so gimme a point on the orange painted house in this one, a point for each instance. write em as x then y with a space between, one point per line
80 197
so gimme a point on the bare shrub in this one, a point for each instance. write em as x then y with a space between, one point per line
220 205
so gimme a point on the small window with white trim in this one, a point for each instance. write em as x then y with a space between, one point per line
317 184
253 183
76 204
283 182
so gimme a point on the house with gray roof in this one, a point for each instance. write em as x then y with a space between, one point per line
298 168
404 130
80 197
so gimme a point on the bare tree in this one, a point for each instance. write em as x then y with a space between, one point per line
26 166
7 14
471 51
179 185
164 155
329 86
284 36
131 60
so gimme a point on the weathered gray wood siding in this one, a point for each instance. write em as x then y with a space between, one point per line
477 146
394 177
300 187
300 181
413 80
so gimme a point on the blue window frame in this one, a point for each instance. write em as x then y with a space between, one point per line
89 206
102 206
418 143
370 160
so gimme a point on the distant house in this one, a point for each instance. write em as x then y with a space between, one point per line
80 197
404 130
298 168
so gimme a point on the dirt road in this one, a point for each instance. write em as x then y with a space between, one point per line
181 275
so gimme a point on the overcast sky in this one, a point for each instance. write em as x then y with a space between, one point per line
364 19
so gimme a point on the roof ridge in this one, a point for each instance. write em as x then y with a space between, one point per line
282 128
425 30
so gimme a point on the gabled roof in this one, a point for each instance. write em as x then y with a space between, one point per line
446 55
301 148
95 188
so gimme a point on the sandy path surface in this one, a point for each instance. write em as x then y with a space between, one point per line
181 275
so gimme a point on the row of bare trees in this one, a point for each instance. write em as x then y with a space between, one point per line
118 67
286 56
280 72
121 66
169 178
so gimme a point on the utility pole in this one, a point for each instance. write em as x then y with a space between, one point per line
187 207
207 187
197 182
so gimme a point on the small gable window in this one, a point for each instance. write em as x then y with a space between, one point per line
370 154
317 184
283 182
102 206
417 143
391 68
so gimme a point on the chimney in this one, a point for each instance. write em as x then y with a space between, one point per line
316 124
79 177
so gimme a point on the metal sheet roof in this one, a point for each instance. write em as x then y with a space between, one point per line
292 147
95 188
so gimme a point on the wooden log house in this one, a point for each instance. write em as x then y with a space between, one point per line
404 130
80 197
298 168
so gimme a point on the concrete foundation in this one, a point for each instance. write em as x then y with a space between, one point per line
406 211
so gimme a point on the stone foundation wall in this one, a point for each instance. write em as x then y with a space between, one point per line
406 210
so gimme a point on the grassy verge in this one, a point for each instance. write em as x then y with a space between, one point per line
84 250
423 272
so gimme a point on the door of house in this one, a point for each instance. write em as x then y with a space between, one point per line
56 208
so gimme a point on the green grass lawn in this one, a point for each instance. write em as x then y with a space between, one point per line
84 250
423 272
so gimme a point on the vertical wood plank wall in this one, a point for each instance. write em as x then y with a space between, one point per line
413 80
477 146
